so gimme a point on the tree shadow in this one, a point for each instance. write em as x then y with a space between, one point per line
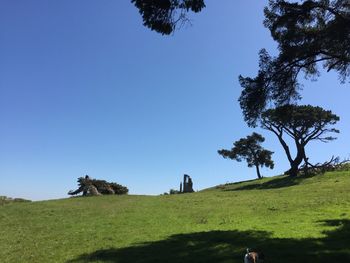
280 182
229 246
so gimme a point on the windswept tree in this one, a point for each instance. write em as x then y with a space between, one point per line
309 34
249 149
164 16
302 124
92 187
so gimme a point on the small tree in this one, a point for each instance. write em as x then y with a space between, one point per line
301 123
250 150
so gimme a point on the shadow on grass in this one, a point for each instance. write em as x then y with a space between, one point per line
280 182
229 246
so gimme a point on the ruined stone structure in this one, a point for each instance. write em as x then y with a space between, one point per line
187 185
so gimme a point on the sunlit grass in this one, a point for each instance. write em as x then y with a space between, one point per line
215 225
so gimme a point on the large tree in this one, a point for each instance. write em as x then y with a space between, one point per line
249 149
309 34
302 124
164 16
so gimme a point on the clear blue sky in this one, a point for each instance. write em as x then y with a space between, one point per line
86 89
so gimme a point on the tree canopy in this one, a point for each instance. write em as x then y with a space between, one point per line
302 123
164 16
308 34
249 149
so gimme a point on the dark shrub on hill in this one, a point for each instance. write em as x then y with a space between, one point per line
174 192
91 186
7 200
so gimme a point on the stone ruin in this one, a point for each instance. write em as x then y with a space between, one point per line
187 185
94 187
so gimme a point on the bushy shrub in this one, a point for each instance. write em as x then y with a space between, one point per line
173 192
119 189
6 200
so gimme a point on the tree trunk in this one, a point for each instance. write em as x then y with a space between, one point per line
294 165
258 171
293 172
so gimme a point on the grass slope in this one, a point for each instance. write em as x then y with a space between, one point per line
300 220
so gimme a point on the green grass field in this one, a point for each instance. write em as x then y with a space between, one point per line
300 220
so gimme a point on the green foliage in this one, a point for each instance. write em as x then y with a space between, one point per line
310 32
215 225
249 149
307 33
300 122
265 87
164 15
303 124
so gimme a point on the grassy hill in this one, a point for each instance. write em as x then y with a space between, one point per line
300 220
